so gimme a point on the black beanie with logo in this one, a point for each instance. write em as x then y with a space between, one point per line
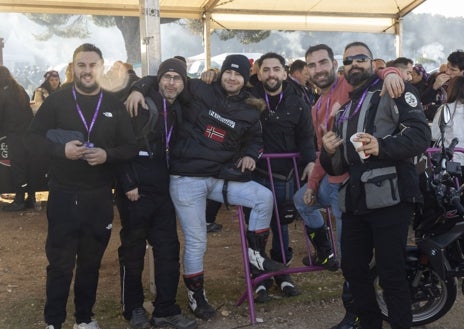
238 63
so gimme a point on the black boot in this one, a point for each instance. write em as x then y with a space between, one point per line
287 286
325 256
257 255
30 201
197 298
18 202
350 320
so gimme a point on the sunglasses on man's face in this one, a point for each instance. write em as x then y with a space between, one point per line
360 58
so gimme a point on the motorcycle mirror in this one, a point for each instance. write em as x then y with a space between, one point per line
445 117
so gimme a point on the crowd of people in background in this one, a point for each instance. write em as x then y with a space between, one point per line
207 136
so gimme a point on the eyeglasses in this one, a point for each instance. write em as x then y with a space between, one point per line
360 58
173 78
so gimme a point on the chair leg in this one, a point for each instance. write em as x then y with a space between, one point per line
246 265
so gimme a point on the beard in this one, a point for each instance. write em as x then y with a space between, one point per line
328 82
272 88
358 77
87 89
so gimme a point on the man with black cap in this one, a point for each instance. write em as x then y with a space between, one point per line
146 210
221 129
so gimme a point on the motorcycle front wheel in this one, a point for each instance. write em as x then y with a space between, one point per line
432 297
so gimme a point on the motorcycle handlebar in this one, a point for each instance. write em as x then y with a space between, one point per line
456 202
450 148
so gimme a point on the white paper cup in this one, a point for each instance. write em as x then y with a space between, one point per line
362 155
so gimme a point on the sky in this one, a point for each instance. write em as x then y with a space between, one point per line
448 8
21 46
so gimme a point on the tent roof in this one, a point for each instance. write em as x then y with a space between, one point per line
377 16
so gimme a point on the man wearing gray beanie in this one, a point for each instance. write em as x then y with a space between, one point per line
173 65
145 207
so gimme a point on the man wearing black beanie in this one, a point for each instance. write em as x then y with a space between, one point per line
237 63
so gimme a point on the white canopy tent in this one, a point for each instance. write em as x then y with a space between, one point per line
379 16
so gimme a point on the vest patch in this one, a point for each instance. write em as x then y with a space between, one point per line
410 99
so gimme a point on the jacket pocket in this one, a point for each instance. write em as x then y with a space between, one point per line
381 187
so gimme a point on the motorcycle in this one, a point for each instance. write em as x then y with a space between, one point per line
435 262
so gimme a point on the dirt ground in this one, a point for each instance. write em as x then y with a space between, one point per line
22 282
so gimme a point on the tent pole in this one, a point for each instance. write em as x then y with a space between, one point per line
150 43
399 37
207 38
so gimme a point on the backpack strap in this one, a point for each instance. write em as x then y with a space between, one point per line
153 116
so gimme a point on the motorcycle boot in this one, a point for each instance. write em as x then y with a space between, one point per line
257 255
197 298
350 320
325 256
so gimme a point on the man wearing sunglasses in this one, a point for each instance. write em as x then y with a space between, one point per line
377 201
322 189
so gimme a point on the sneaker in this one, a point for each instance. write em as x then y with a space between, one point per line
14 206
178 321
50 327
139 319
83 325
330 263
289 289
262 296
349 321
213 227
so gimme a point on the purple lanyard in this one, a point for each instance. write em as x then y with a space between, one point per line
358 106
78 108
266 97
327 106
167 133
306 97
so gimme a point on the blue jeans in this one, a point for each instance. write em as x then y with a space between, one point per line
327 196
189 196
283 192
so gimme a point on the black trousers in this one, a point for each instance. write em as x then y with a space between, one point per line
383 232
20 167
79 229
152 218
